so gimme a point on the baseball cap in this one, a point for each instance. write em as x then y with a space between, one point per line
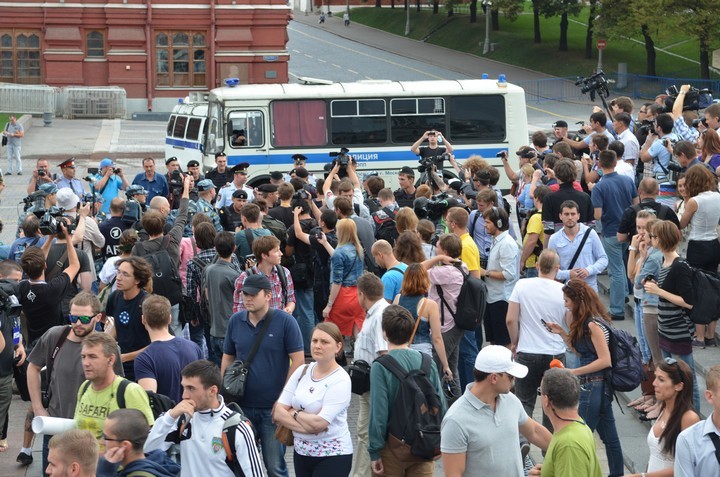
253 284
498 359
205 184
560 124
67 199
107 162
49 188
526 151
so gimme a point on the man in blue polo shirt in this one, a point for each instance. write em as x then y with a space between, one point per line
155 184
269 368
611 196
110 180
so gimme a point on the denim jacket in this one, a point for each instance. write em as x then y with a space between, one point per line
346 266
651 266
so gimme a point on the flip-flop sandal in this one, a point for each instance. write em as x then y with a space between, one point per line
4 445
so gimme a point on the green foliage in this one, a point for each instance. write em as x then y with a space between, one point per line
554 8
509 8
516 45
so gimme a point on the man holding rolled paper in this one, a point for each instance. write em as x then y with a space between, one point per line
58 352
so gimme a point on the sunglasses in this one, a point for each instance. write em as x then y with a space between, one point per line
670 361
106 438
82 319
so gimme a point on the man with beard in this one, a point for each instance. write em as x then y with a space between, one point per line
59 351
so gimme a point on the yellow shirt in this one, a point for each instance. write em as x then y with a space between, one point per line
470 254
93 406
534 226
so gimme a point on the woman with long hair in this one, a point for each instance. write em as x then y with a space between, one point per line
709 142
702 210
673 389
426 313
108 274
672 284
588 322
314 406
408 248
405 220
346 266
679 210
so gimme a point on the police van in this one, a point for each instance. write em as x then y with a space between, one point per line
186 128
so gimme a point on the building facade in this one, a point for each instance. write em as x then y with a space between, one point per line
157 50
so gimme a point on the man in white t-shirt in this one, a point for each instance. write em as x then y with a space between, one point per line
533 301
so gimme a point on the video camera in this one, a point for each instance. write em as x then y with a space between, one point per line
695 99
342 159
426 163
9 304
433 209
36 200
647 126
595 84
50 218
299 199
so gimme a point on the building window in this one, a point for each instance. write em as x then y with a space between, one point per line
20 56
180 58
95 45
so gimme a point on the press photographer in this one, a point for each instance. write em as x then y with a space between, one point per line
40 176
654 150
433 153
110 180
342 159
687 99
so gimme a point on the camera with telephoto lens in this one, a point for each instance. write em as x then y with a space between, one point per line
697 122
176 180
36 200
595 84
41 173
9 304
50 218
431 209
341 159
647 126
299 199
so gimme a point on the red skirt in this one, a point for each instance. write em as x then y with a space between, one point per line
346 311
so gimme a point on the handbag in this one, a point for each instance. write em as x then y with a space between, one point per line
4 138
235 378
282 434
359 373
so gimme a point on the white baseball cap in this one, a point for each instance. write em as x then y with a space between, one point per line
498 359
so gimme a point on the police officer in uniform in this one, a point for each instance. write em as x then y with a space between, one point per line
230 216
96 211
68 178
240 173
139 194
299 160
206 194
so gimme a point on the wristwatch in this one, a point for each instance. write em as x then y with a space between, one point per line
295 414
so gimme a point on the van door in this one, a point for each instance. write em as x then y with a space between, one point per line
248 140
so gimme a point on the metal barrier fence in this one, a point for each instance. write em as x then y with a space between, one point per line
33 99
94 102
632 85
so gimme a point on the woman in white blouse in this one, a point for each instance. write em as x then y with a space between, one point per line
314 406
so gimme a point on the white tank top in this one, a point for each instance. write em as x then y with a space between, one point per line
705 220
658 459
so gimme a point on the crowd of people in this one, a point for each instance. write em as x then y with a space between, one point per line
198 324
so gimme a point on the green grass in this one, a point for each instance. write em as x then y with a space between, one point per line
5 117
516 47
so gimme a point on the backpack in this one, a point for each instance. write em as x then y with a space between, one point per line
372 204
386 229
471 302
705 297
233 419
627 371
159 403
202 310
416 414
277 228
166 277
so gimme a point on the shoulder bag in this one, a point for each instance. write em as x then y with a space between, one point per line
235 378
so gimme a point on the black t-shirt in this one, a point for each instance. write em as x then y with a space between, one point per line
303 252
661 211
131 334
8 353
56 252
552 203
111 229
404 199
425 152
42 304
322 258
229 219
283 214
220 179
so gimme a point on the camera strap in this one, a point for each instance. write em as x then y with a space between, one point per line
258 338
51 359
579 249
57 266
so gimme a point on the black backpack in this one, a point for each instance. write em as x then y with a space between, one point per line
372 204
627 371
705 297
471 302
166 277
386 229
159 403
416 414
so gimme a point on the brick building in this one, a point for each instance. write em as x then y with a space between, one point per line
157 50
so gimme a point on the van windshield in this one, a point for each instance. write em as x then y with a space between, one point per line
214 142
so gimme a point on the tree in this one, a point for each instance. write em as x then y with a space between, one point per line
509 8
589 34
436 7
536 20
564 8
473 11
700 19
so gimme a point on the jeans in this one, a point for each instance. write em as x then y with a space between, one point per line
468 353
618 276
688 358
526 388
273 453
216 345
305 314
595 408
531 272
197 334
175 327
361 468
14 160
640 333
45 451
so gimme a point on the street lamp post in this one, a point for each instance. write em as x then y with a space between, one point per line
488 6
407 17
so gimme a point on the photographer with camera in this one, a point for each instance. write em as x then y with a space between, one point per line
12 351
433 149
40 176
655 148
302 271
348 187
598 125
683 131
110 181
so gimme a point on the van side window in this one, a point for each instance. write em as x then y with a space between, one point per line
179 129
246 129
193 129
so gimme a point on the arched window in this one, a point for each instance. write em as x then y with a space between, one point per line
180 59
20 57
95 44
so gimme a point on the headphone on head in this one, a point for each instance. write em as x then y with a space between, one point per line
499 221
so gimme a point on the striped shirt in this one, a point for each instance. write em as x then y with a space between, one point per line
673 324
